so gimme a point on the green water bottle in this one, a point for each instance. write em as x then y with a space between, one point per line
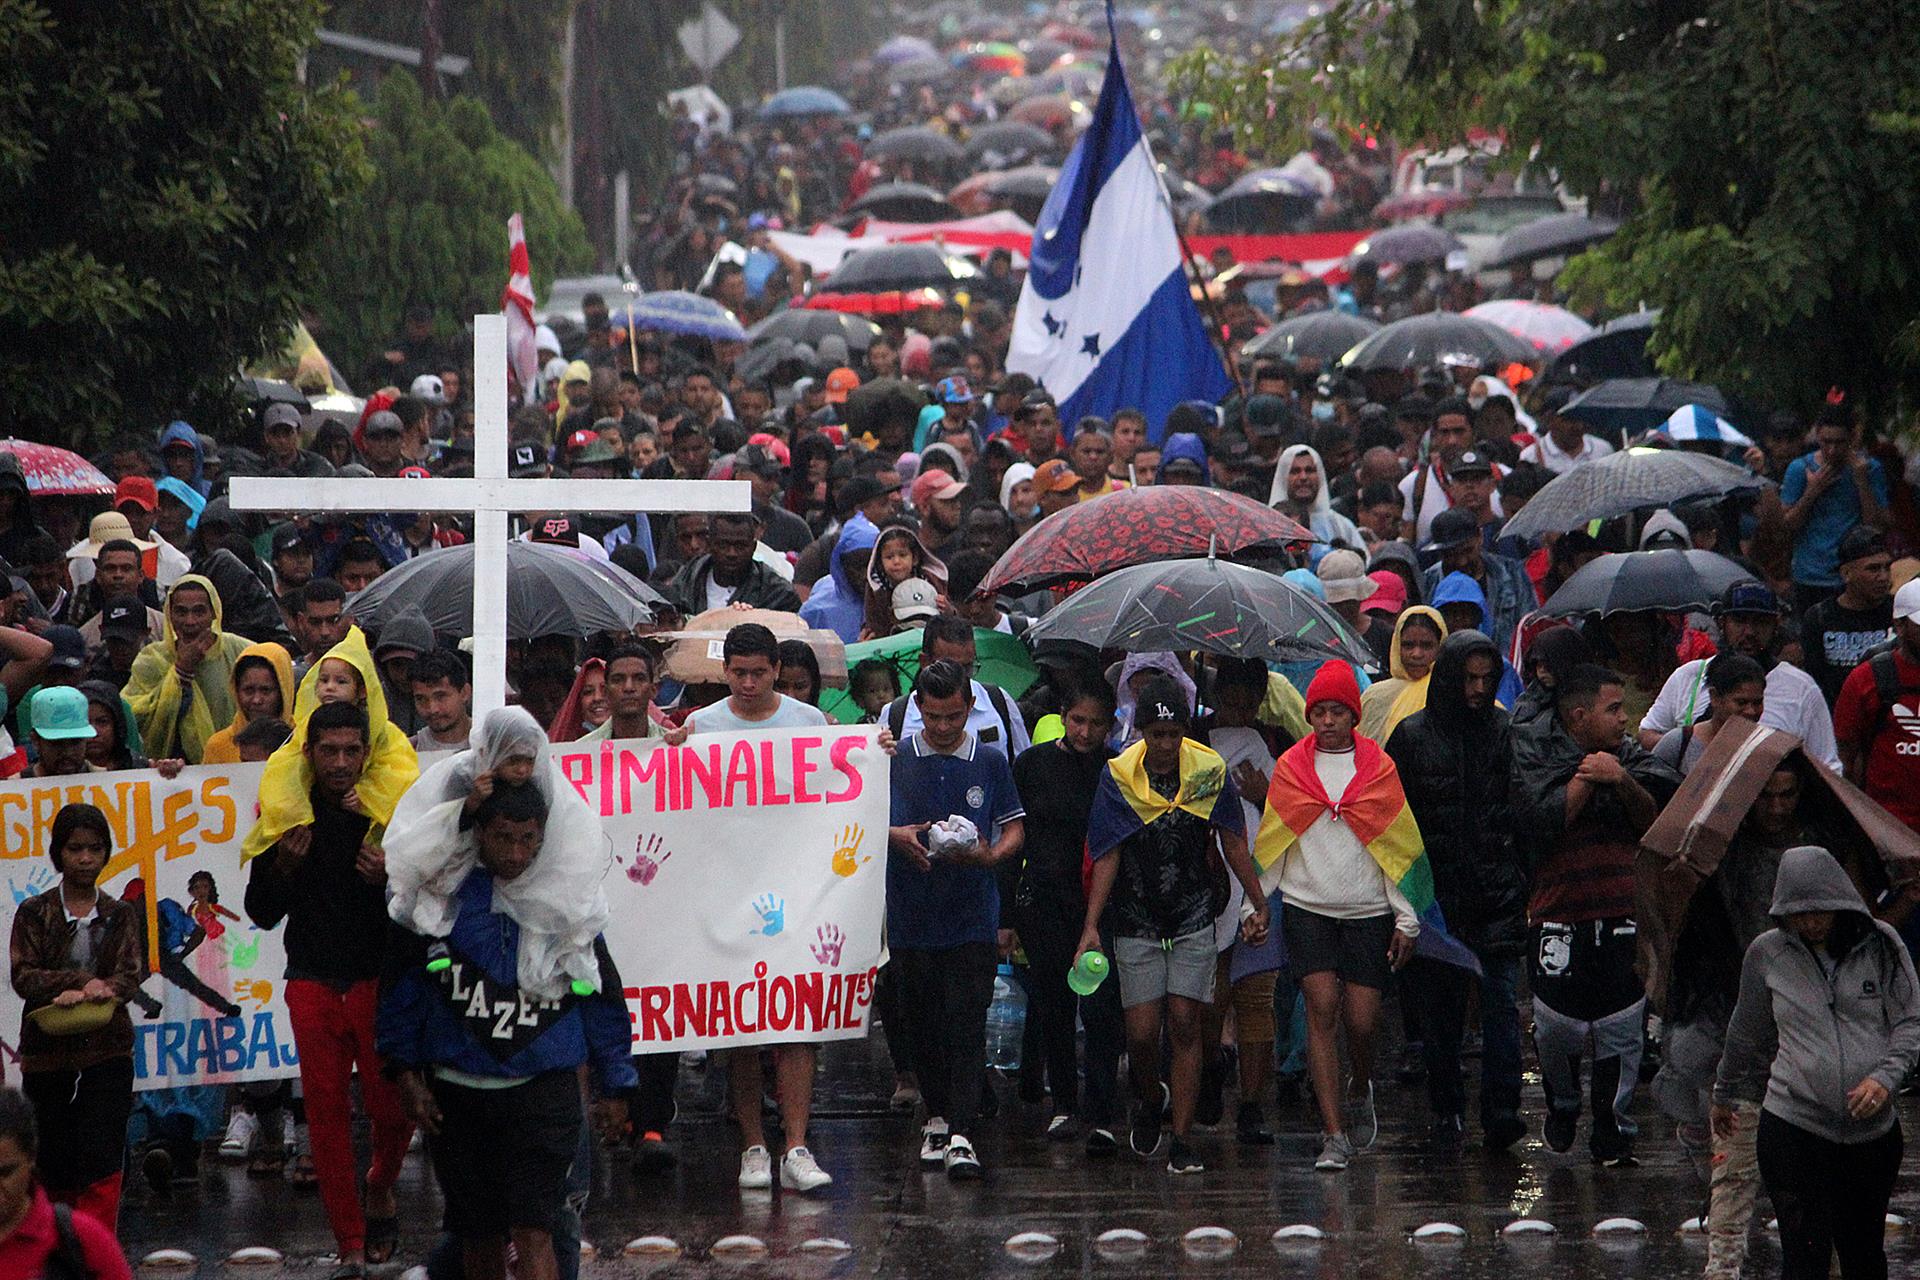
1088 972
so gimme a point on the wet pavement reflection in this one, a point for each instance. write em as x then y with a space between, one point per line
897 1221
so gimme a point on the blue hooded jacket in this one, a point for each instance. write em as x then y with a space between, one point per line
837 603
181 433
1184 444
1458 588
418 1025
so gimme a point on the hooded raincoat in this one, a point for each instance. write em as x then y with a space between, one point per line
181 433
1188 446
1380 701
838 603
176 715
1327 524
220 748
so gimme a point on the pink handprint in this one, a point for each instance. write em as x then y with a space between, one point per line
647 859
827 949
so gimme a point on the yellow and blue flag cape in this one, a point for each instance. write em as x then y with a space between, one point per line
1375 809
1126 802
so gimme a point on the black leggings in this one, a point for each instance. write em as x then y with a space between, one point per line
1830 1197
82 1118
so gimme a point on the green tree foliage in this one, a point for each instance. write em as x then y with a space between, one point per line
164 182
431 227
1762 153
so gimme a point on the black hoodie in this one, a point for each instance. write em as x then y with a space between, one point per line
13 539
1456 765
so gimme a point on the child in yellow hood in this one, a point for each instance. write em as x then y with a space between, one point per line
345 674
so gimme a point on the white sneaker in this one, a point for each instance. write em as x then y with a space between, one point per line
799 1171
756 1169
962 1164
933 1141
243 1130
287 1130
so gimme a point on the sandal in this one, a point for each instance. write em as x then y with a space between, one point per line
383 1239
301 1174
266 1164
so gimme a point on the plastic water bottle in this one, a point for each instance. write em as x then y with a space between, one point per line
1006 1020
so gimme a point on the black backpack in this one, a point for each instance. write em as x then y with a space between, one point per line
1887 686
897 718
67 1261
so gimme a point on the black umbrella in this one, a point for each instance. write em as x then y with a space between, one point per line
1632 405
1407 243
882 401
1008 140
1557 235
1617 349
1187 196
265 391
897 266
763 361
1423 340
921 70
904 202
1622 483
1318 335
550 591
1211 605
1669 581
1266 200
915 143
802 325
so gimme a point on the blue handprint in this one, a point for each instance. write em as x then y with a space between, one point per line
38 883
773 914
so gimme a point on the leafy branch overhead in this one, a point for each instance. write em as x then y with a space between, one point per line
1763 155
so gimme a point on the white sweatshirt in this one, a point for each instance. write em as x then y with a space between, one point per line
1329 872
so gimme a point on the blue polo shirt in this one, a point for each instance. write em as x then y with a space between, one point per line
1816 552
951 904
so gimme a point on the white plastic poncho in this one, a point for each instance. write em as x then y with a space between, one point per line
558 902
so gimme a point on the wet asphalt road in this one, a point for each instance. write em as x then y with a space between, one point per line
900 1222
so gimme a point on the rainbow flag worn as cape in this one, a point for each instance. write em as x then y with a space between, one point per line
1126 802
1375 808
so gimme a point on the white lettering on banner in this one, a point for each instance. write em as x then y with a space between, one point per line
753 896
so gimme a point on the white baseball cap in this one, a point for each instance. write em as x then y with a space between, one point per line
1906 601
428 387
915 599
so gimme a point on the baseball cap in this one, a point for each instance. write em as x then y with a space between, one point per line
932 486
954 390
1183 466
289 538
1017 384
1754 597
414 473
758 459
123 616
1266 416
915 598
139 490
1861 541
598 451
69 647
1055 476
581 439
430 388
1906 601
1470 462
280 414
384 423
840 383
1452 528
60 713
557 530
1664 531
1155 707
1389 593
861 490
524 461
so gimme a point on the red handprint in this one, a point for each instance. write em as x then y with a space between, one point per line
647 859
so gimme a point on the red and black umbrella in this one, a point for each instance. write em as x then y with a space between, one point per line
53 472
1139 526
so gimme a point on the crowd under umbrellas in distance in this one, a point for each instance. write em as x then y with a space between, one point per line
1434 792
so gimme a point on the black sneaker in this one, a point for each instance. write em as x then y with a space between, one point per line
1182 1158
652 1156
157 1167
1559 1129
1210 1108
1145 1138
1250 1126
1502 1133
1101 1143
1447 1131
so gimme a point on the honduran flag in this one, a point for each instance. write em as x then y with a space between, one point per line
1125 802
1375 809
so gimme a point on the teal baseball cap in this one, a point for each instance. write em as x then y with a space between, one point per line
58 713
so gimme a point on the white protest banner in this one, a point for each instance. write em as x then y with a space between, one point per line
211 1012
751 887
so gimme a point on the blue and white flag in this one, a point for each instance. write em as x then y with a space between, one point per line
1105 320
1697 422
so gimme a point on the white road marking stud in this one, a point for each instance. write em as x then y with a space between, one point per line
1121 1242
1210 1242
169 1259
737 1245
255 1255
587 1250
1619 1227
1773 1225
1440 1233
651 1246
1527 1227
1032 1246
1693 1227
1299 1233
1896 1222
824 1245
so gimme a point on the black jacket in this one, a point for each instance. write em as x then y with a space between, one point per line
1455 766
762 588
336 922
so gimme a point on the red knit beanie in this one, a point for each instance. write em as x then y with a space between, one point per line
1334 682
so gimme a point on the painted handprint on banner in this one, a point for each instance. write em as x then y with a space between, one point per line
830 942
244 954
648 858
772 909
36 884
846 850
258 990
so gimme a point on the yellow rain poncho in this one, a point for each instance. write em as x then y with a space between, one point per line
176 716
577 371
1387 702
392 766
220 748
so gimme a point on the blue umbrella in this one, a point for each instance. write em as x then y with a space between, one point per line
677 311
804 100
1691 422
904 49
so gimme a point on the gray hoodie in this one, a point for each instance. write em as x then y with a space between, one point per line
1808 1035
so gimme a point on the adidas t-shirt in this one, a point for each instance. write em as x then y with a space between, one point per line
1893 754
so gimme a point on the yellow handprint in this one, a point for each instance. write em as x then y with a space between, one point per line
846 851
258 990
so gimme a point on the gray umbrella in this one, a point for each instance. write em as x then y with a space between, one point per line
1668 581
1211 605
550 591
1625 482
1318 335
1558 235
1407 243
916 142
1421 340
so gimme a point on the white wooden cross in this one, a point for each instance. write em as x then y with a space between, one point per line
490 495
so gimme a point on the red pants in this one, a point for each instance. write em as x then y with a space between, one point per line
333 1031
